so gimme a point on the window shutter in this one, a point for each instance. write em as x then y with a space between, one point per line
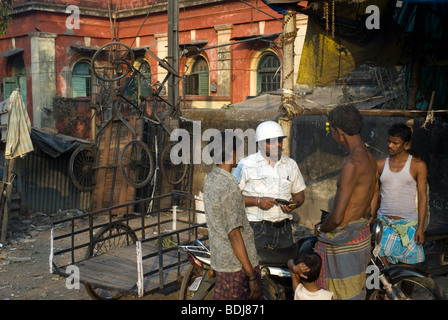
22 82
203 86
130 88
9 85
189 83
79 87
145 85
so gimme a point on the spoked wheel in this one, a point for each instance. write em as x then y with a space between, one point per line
411 288
136 163
174 173
111 237
82 172
190 276
112 61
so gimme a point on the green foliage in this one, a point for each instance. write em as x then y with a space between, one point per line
5 10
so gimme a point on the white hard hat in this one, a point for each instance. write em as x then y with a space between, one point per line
268 130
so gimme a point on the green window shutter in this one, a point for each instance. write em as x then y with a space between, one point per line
79 87
9 85
203 84
190 84
22 82
145 85
131 89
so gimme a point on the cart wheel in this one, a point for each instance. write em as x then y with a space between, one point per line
110 237
174 173
112 61
81 168
136 163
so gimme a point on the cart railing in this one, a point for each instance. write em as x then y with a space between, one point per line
78 244
162 251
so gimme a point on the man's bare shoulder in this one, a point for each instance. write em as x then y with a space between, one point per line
363 164
418 165
381 162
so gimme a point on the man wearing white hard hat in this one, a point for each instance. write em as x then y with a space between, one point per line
272 186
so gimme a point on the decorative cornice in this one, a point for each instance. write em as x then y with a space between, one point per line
95 12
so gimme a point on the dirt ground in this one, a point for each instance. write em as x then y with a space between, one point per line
25 265
25 268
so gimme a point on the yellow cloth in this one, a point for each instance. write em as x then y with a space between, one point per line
18 140
325 59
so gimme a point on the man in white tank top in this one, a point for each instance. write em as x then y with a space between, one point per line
401 178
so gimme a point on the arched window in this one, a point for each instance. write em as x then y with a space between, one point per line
18 78
81 80
144 82
141 85
268 73
197 83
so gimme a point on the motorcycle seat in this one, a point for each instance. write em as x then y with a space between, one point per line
277 257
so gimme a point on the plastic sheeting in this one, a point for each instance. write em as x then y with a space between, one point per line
55 144
325 59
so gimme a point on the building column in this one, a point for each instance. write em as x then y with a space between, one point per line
224 60
43 78
162 53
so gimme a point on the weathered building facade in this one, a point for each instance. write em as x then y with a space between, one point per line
48 48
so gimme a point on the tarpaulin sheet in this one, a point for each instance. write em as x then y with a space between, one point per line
325 59
55 144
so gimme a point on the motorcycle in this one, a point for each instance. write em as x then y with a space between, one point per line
199 278
398 281
395 282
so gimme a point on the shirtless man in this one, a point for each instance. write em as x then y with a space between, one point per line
347 225
357 187
402 177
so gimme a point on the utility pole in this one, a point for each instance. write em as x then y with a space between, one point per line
289 36
173 51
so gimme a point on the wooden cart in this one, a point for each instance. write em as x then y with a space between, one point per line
126 249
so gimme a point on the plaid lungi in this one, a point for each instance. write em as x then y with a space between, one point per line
345 254
392 243
234 285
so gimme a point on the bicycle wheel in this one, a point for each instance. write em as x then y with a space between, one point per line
136 163
112 61
110 237
174 173
81 168
191 274
413 288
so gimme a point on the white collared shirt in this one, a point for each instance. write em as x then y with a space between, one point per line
257 178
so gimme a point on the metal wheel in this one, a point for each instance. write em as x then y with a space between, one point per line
174 173
191 274
112 61
81 168
110 237
136 163
412 288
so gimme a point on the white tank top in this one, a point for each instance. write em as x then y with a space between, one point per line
398 190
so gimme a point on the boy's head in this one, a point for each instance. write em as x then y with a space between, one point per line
314 262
